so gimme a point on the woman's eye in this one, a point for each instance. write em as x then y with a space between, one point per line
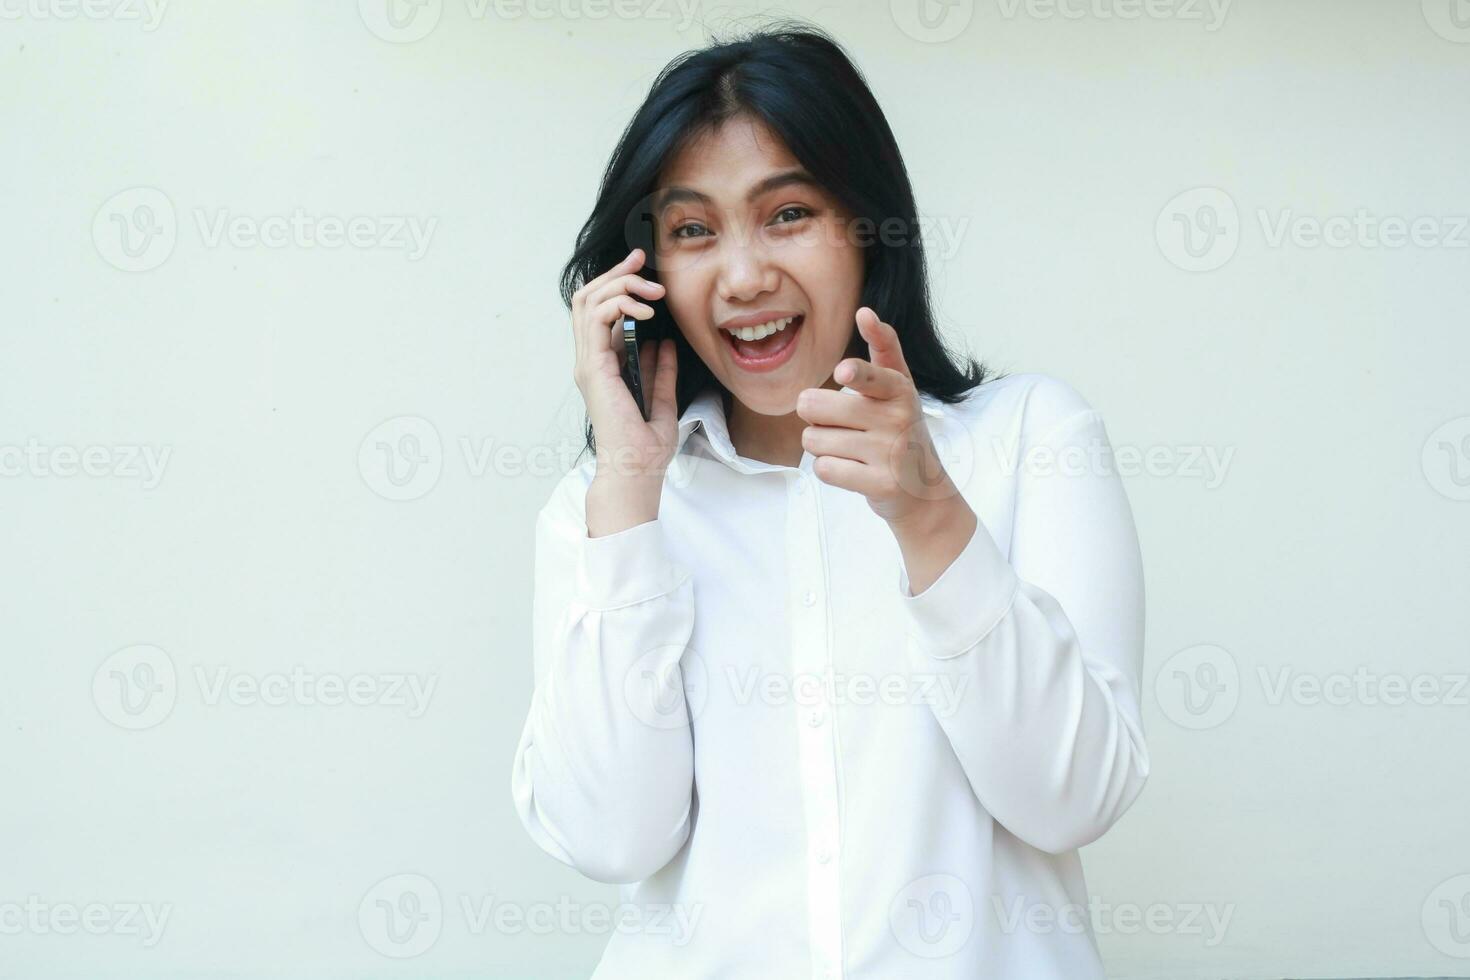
697 230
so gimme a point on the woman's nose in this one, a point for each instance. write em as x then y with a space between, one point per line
746 271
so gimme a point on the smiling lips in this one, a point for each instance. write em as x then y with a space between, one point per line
767 346
762 330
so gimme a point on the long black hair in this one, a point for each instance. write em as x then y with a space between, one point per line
799 81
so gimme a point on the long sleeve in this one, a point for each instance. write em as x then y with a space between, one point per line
1048 647
604 770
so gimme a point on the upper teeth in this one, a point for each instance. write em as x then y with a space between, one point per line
764 330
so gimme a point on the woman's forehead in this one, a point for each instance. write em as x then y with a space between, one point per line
740 145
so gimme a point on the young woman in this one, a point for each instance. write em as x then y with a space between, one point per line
837 654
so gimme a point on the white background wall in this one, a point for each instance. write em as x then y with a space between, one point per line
1049 148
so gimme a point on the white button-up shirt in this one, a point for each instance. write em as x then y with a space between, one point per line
795 768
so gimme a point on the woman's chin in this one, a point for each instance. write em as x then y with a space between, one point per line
774 399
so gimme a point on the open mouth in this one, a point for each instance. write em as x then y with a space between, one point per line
769 352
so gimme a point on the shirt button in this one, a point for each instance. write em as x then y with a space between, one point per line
808 598
823 856
816 717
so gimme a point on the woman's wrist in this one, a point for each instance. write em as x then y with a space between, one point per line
618 502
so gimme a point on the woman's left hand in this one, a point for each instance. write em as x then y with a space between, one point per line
873 440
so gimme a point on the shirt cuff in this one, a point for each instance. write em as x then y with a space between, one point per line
965 603
628 566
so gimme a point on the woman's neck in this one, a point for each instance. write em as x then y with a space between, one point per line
774 439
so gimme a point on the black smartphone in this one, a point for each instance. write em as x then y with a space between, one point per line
633 366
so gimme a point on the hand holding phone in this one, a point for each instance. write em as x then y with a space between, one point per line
633 367
629 386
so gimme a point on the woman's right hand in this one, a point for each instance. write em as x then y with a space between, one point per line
626 444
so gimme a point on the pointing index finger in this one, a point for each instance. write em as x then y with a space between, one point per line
884 350
869 379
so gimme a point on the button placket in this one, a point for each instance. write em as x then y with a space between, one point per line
811 657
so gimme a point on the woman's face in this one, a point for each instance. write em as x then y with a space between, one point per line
731 242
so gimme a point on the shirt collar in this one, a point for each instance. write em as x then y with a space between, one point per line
706 412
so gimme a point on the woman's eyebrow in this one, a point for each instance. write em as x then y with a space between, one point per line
784 178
